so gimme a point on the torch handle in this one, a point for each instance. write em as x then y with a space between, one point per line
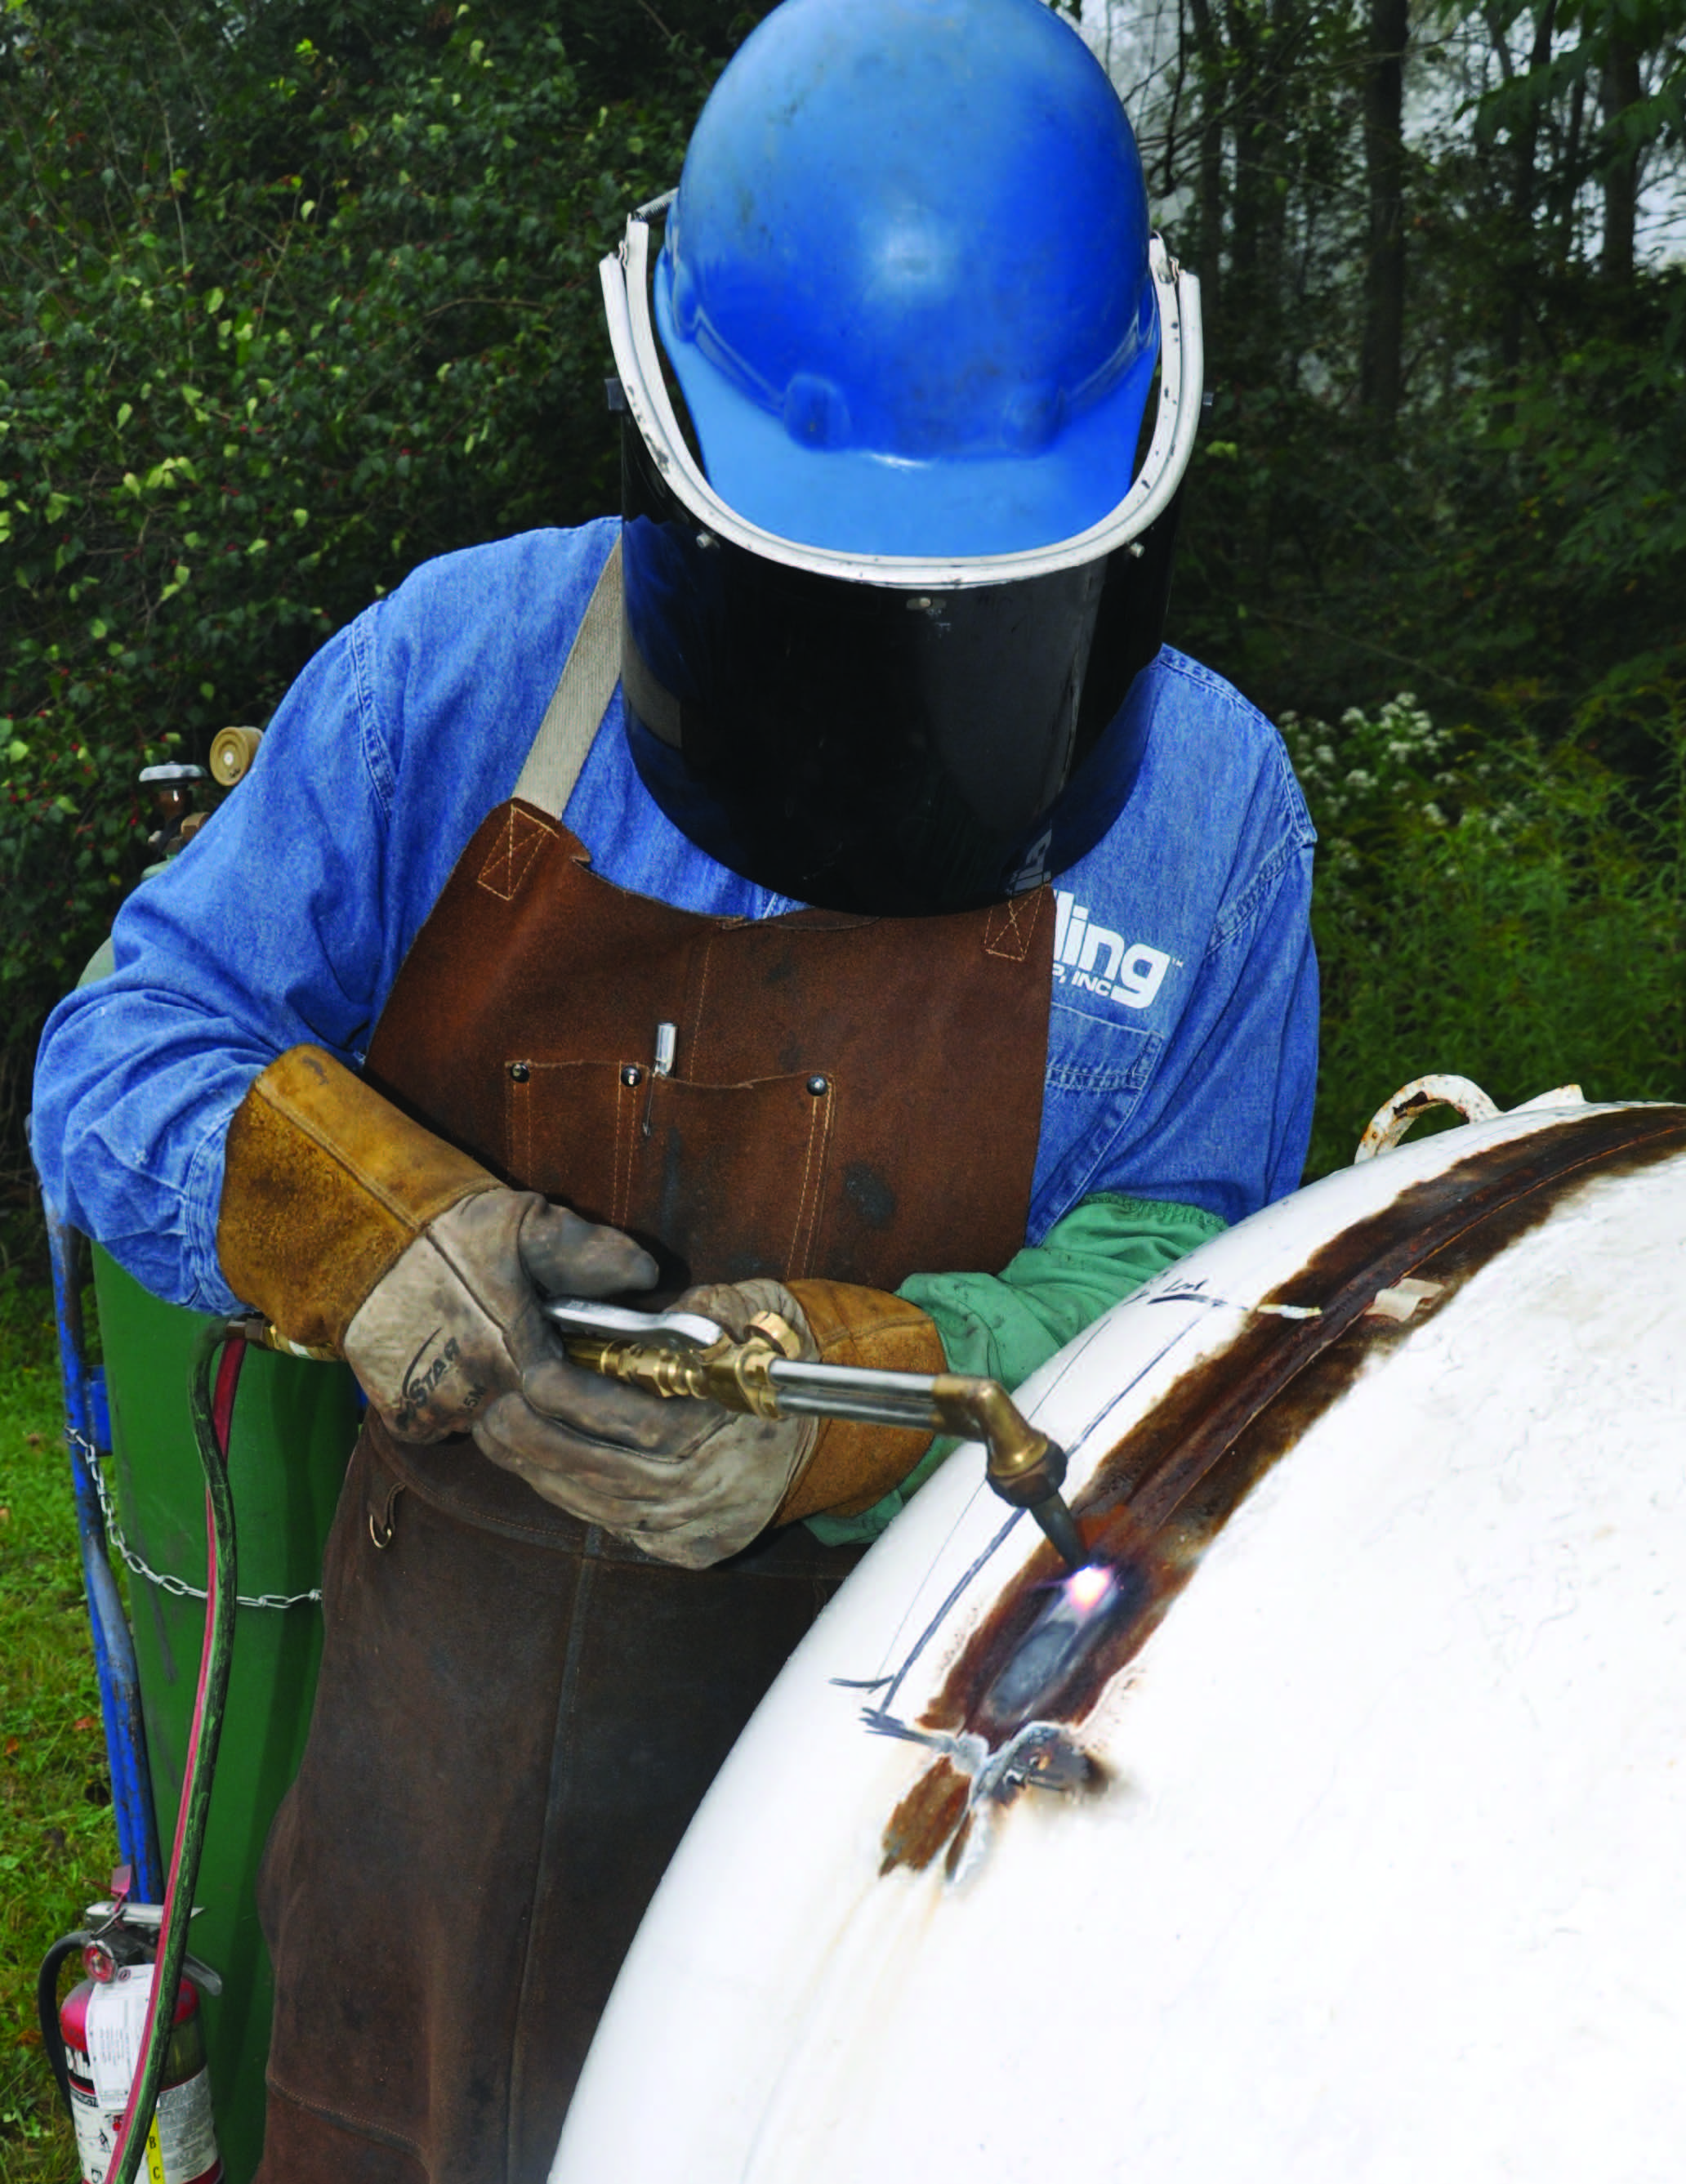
759 1375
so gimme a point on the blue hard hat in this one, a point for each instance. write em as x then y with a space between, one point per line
905 287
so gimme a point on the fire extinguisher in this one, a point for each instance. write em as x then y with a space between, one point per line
93 2040
131 2042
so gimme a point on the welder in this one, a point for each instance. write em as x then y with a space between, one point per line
820 891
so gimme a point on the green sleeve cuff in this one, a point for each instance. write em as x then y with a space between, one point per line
1003 1326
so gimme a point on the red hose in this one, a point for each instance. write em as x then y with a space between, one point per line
229 1364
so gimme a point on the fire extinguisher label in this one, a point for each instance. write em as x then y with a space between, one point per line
186 2135
117 2017
181 2146
96 2133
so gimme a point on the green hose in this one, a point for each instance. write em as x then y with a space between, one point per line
212 1411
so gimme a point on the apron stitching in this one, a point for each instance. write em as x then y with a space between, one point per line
539 822
994 931
503 848
819 1126
625 1113
535 838
526 843
693 1044
561 1753
1003 922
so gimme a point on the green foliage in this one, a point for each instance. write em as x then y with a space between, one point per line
257 358
1492 909
1510 539
1519 550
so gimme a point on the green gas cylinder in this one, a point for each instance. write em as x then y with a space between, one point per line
293 1426
294 1423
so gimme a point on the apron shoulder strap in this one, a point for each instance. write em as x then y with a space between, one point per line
580 699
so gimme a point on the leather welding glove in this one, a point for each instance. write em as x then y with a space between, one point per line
471 1284
690 1482
353 1229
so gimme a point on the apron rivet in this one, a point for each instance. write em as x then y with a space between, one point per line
818 1086
631 1075
520 1071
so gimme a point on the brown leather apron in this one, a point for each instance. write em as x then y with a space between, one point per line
517 1715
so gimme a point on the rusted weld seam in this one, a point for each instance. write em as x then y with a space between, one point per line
1293 1346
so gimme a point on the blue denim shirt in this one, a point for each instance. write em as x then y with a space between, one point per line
1182 1038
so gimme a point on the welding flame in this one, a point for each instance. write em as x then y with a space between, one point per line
1087 1588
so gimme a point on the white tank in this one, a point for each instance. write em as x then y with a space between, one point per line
1330 1830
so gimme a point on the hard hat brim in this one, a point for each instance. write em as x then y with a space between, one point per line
862 501
979 500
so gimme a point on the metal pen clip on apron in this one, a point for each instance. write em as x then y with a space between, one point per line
683 1353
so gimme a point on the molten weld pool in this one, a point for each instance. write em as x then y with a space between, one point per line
1081 1610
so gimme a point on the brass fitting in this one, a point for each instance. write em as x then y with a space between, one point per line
253 1327
733 1374
649 1367
1024 1467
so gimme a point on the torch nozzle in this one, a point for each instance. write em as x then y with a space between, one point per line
1060 1527
1024 1467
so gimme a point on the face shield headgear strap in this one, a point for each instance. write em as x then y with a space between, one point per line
888 734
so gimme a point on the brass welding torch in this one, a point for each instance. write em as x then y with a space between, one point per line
683 1353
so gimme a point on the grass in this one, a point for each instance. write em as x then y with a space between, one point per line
58 1844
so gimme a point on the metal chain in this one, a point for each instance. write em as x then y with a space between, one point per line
177 1587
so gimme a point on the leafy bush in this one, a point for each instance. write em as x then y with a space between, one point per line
1498 909
256 361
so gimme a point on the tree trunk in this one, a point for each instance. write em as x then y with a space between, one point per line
1524 190
1619 88
1382 366
1208 52
1570 174
1259 46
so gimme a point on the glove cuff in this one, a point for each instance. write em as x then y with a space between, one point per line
326 1184
854 1465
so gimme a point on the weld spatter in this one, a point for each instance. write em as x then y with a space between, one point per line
949 1807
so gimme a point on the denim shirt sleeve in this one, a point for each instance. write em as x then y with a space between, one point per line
286 917
1183 1032
257 937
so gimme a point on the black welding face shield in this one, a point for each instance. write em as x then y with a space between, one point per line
875 733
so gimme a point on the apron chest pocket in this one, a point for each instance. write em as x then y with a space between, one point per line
690 1170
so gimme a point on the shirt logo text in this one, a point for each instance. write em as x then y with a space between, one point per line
1093 960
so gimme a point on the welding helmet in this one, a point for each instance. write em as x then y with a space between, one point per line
896 536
